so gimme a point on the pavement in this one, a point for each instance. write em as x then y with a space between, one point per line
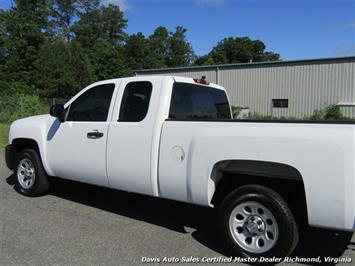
79 224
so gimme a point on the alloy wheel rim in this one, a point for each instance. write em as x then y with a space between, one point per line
26 173
253 227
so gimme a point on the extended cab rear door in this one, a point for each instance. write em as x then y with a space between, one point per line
131 134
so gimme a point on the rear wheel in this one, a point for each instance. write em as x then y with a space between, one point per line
31 179
256 222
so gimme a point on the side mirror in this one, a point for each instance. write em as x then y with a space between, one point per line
57 110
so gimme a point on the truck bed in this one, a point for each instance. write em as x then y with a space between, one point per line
322 152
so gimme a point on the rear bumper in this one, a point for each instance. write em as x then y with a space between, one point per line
10 156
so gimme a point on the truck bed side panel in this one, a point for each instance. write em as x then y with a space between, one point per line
324 154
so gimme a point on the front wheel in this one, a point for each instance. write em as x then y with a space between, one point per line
31 179
256 222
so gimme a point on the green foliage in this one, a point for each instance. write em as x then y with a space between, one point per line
86 6
136 51
2 44
62 69
258 116
100 22
237 50
161 49
180 52
14 88
269 56
27 27
332 112
318 114
4 130
158 46
15 103
62 12
54 48
204 60
113 24
108 60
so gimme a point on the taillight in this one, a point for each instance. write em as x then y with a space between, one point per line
202 81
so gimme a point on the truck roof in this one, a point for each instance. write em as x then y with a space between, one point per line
184 80
175 78
191 80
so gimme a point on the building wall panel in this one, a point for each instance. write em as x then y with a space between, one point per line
308 85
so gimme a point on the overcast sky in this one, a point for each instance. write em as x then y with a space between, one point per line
297 29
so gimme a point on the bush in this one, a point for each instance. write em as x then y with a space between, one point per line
318 114
258 116
17 101
332 112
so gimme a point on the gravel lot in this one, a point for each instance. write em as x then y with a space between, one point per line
78 224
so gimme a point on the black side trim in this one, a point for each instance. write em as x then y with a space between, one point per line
262 168
10 156
344 122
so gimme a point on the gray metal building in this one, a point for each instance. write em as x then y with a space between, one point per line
283 88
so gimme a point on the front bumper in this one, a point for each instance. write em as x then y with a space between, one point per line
10 156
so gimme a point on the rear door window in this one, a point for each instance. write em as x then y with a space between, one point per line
135 101
190 101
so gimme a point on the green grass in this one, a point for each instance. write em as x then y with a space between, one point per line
4 130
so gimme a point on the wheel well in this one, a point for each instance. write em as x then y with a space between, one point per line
287 182
21 144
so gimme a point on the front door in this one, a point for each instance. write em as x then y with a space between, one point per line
77 147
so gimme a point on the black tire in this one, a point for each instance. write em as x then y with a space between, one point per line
40 185
287 228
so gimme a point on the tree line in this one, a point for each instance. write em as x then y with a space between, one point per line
54 48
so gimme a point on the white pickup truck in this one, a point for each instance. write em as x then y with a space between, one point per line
174 138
